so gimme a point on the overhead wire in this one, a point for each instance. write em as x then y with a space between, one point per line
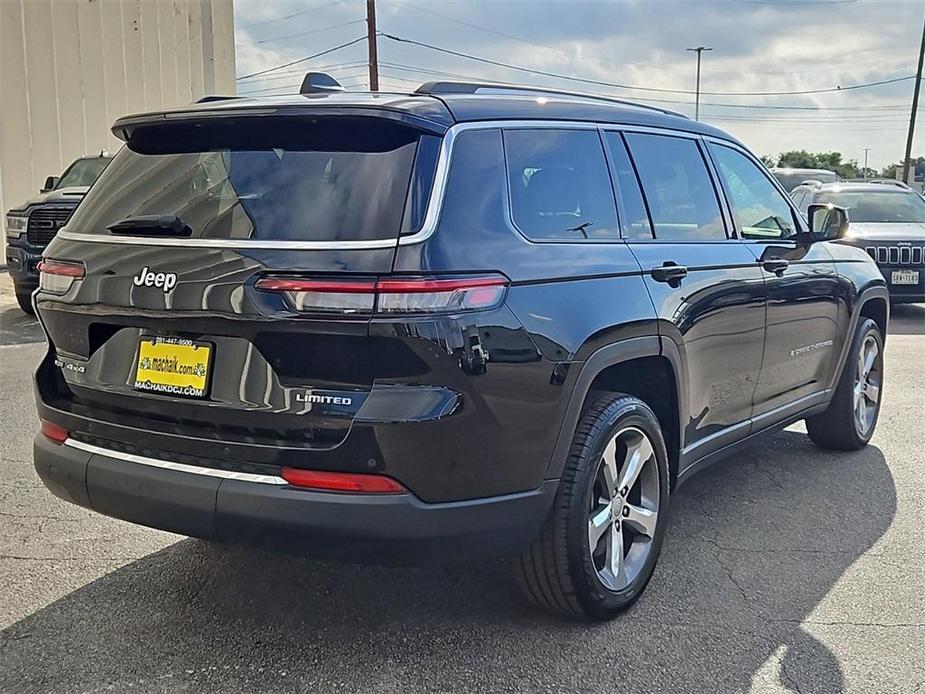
289 16
617 85
301 60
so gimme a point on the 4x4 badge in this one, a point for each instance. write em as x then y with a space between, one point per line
149 278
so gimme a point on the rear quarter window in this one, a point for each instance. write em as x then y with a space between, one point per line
293 179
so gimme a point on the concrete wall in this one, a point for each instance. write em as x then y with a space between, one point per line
69 68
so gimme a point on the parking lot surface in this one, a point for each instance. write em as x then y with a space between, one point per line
785 569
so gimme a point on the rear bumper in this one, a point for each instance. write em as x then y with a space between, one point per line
397 528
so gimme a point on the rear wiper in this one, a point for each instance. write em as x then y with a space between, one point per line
152 225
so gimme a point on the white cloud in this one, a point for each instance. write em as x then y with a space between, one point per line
759 46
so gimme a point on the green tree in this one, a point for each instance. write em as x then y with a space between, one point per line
798 159
768 160
801 159
890 171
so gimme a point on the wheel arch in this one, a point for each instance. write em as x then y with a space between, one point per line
877 308
872 302
649 368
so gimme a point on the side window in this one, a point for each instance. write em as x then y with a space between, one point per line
759 209
636 223
678 188
474 197
560 187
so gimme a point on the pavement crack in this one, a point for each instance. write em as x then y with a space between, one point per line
787 678
31 516
770 475
796 550
19 557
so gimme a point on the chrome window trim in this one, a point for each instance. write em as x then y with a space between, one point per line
177 467
434 203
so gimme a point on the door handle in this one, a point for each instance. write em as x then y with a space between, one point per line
775 265
669 272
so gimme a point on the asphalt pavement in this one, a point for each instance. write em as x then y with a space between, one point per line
785 569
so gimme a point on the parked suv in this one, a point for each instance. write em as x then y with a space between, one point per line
791 178
31 226
462 322
888 222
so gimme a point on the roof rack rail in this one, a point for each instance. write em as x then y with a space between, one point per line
889 182
449 87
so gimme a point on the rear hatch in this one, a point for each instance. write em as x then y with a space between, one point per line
165 301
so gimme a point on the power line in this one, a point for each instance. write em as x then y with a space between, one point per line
346 75
887 107
287 73
301 60
289 16
617 85
304 33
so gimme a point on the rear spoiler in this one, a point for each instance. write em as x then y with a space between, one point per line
125 126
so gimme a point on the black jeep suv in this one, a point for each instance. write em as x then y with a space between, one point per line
461 322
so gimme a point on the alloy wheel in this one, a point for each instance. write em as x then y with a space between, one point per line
624 508
867 385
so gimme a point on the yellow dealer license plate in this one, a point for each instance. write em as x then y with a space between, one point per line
173 366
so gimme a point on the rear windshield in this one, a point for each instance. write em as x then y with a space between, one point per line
266 178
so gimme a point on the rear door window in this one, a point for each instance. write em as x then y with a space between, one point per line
677 187
292 179
560 187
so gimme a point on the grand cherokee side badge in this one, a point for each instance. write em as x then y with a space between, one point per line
149 278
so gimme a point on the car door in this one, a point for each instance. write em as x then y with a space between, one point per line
706 287
804 293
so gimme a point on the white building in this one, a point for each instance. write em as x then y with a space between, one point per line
69 68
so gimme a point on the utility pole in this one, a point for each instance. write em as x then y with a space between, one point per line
866 150
907 160
699 51
371 43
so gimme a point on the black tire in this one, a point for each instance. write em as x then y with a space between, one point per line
558 572
24 299
837 428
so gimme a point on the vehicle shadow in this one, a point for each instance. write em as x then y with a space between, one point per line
756 543
907 319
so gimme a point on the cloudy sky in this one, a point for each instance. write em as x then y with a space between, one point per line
760 49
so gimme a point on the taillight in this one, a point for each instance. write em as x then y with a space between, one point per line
324 296
390 296
57 276
54 432
440 295
342 481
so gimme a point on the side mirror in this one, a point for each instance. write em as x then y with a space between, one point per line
827 222
50 184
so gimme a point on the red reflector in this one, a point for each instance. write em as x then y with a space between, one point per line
61 268
341 481
282 284
56 433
